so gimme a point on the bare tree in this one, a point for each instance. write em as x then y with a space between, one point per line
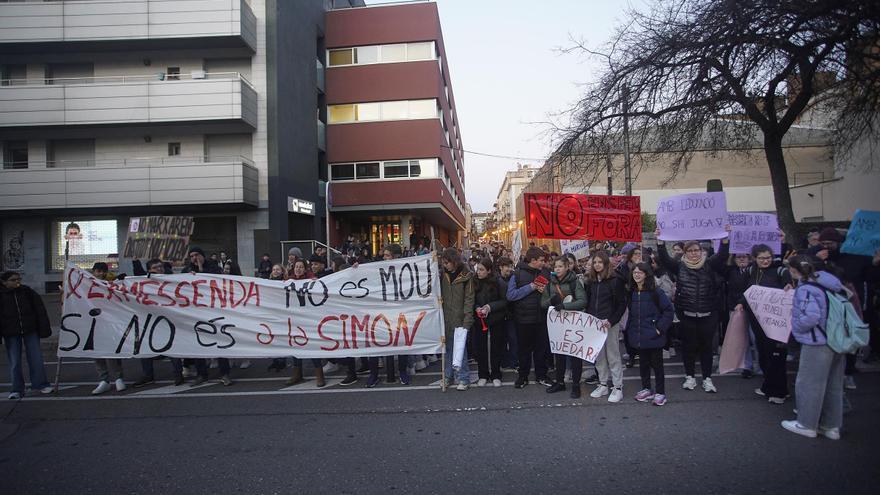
696 75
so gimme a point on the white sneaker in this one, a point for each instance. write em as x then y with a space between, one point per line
849 382
616 395
462 387
481 382
708 386
101 388
496 382
830 433
120 385
245 364
331 367
795 427
601 391
47 390
776 400
689 383
14 396
420 365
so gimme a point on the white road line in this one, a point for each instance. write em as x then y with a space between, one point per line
173 389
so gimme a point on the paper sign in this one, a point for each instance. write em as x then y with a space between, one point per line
772 309
517 246
165 238
579 249
377 309
750 229
694 216
863 236
582 216
575 333
736 344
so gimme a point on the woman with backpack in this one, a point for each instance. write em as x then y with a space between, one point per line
650 316
606 300
565 292
490 309
819 382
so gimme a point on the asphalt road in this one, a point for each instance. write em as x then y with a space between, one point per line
259 436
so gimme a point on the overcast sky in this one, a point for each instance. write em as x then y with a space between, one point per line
507 74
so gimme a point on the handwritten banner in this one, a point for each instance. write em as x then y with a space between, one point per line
575 333
750 229
863 236
583 216
377 309
772 308
166 238
694 216
579 249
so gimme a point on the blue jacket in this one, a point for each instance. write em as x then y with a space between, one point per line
648 323
809 309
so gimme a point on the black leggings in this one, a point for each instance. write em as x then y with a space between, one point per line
652 359
697 336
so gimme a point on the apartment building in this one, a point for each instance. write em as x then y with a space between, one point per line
394 143
116 109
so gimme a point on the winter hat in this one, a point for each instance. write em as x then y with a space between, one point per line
296 252
196 249
629 246
830 234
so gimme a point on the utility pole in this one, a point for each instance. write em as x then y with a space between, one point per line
610 181
627 169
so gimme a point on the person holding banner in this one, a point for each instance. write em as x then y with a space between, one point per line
524 290
650 316
156 267
606 300
696 301
391 252
565 292
488 330
736 276
457 291
107 368
23 322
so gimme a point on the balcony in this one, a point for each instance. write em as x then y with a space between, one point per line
127 24
131 182
139 99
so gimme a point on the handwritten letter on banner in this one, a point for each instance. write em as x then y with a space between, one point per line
377 309
772 308
575 333
863 236
694 216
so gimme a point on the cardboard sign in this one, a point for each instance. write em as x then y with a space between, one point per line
694 216
579 249
863 236
575 333
772 308
377 309
582 216
736 344
750 229
165 238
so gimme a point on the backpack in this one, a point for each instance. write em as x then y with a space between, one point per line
845 332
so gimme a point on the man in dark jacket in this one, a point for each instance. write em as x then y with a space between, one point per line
511 358
524 290
197 263
155 266
265 268
23 322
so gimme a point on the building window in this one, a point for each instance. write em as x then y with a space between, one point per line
367 170
342 171
392 169
367 55
420 51
15 154
172 74
394 53
386 110
173 149
341 57
341 113
395 170
382 54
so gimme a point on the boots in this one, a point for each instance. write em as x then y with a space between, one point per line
296 377
319 377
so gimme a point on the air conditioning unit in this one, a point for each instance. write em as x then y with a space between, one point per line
198 74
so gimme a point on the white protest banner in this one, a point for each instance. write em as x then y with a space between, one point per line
580 248
772 308
575 333
517 246
750 229
377 309
694 216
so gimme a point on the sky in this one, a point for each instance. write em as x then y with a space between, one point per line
508 76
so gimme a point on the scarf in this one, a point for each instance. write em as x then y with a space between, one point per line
694 266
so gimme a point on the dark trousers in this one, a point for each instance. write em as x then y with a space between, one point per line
574 364
149 372
772 359
402 363
489 346
652 359
202 366
511 356
532 344
297 363
697 336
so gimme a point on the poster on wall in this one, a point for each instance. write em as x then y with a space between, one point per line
12 250
83 242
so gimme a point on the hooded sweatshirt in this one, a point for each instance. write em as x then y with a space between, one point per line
810 309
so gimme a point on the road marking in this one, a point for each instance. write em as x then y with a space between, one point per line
173 389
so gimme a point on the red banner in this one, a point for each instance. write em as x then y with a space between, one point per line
583 216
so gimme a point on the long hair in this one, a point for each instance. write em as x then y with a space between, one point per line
606 272
649 284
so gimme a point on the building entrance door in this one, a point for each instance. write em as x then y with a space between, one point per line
382 234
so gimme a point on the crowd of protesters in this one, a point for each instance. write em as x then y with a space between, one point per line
651 300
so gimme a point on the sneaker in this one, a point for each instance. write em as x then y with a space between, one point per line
245 364
405 379
330 368
520 382
616 395
101 388
795 427
776 400
760 392
17 395
496 382
708 386
829 433
630 362
593 379
225 381
575 391
601 391
849 382
143 382
365 368
48 389
689 383
198 381
747 374
659 400
545 381
461 386
189 372
482 382
349 380
644 395
556 387
120 385
420 365
372 381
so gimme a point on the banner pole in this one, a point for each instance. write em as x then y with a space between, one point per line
443 361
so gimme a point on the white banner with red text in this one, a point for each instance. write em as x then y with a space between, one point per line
376 309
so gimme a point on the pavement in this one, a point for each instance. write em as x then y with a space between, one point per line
261 436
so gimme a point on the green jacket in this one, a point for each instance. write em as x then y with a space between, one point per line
458 301
563 288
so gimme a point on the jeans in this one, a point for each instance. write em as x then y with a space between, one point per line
106 367
772 359
609 365
464 375
149 372
652 359
697 335
819 387
402 363
31 344
531 343
490 347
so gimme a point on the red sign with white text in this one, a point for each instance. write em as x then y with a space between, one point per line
583 216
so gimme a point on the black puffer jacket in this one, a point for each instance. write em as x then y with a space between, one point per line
737 282
22 311
606 299
528 309
697 290
490 291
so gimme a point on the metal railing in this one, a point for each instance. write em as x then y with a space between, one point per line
133 162
126 79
